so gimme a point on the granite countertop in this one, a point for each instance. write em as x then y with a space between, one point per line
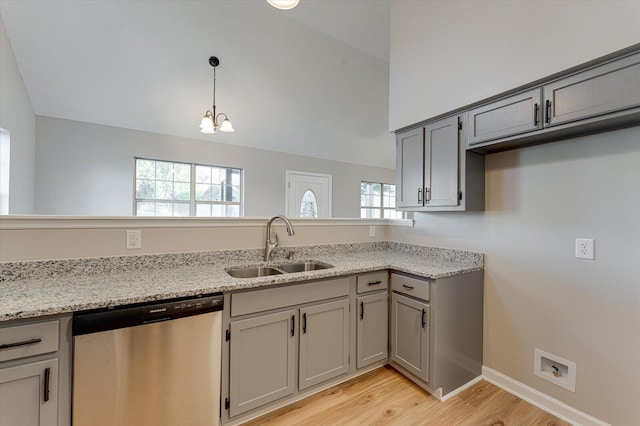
33 295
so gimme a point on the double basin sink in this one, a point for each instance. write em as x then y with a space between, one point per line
285 268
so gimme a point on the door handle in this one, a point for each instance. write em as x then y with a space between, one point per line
293 325
424 322
361 310
47 379
304 323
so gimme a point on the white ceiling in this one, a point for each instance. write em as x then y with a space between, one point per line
311 81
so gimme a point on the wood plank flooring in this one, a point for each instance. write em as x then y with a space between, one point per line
385 397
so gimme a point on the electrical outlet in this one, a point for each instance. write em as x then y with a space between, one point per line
372 231
134 239
584 248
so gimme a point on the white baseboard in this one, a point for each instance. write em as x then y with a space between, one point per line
540 400
460 389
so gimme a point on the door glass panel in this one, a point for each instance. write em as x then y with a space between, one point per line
309 204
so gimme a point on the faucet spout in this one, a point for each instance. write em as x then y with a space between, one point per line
270 245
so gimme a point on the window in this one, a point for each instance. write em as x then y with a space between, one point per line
165 188
378 200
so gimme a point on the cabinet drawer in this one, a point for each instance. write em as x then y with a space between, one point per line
24 340
410 286
281 297
372 282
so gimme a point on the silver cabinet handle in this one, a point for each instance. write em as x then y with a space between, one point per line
427 195
548 111
419 195
47 379
23 343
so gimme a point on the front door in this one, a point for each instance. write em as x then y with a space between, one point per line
308 194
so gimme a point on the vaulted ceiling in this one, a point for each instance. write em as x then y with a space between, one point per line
310 81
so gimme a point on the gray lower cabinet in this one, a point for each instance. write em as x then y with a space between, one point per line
262 360
324 342
410 334
35 372
29 394
372 343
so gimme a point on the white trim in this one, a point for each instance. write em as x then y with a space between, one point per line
540 400
461 389
107 222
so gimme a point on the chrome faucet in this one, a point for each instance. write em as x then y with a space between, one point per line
269 246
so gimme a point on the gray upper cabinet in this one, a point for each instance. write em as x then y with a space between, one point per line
262 360
441 163
595 97
372 328
431 169
514 115
410 168
605 89
324 342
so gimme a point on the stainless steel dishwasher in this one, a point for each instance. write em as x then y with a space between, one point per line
148 364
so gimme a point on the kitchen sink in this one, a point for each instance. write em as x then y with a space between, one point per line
263 271
310 265
260 271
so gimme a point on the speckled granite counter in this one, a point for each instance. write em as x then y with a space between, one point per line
32 289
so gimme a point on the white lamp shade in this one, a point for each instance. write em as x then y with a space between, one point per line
206 125
283 4
226 126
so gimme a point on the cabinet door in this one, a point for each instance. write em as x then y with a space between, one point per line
441 164
29 394
410 335
410 168
324 342
605 89
372 329
514 115
262 360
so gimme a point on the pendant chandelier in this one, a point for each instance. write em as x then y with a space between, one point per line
211 121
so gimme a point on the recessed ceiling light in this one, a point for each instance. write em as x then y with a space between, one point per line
283 4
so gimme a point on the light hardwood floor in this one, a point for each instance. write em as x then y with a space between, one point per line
384 396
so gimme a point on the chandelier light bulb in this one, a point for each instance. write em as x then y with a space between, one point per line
226 126
283 4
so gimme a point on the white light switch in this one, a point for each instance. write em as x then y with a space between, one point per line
372 231
584 248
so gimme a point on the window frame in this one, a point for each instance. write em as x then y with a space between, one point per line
380 207
192 202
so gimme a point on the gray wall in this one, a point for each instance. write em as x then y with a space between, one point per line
17 117
87 169
539 199
537 295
